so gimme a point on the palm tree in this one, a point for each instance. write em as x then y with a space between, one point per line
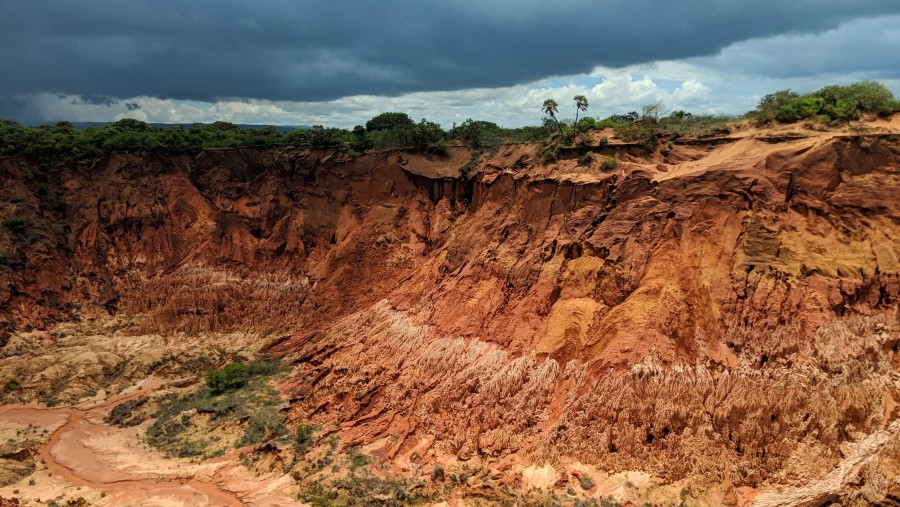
581 104
551 107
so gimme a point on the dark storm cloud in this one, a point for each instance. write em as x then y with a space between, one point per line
304 50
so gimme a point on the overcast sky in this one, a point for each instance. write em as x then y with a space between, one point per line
340 62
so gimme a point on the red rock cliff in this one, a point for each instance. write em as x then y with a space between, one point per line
725 310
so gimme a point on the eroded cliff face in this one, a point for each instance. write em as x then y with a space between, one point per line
722 313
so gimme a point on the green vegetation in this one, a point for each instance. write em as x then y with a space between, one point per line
550 107
389 121
357 459
20 226
232 376
62 142
831 103
235 375
123 414
586 159
682 122
609 163
202 423
586 483
12 384
581 105
367 490
303 437
360 487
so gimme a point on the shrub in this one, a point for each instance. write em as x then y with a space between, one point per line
548 152
643 132
587 158
361 141
798 109
18 225
466 170
683 122
853 99
232 376
608 123
264 424
326 137
586 124
12 384
303 437
357 459
50 200
122 414
833 102
586 483
428 136
652 112
473 133
609 163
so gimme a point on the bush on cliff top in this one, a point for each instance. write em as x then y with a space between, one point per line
836 103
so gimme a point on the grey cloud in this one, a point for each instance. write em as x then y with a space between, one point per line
98 100
859 49
312 51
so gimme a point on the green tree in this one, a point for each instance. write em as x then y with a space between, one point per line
581 104
361 141
429 137
232 376
767 109
388 121
469 131
550 107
